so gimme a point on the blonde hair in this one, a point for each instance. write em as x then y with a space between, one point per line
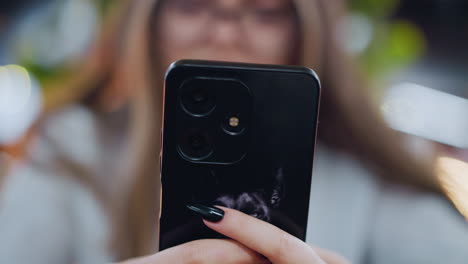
122 59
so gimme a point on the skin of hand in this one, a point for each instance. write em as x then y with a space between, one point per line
257 242
276 245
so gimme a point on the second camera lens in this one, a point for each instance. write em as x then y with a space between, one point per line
196 145
197 142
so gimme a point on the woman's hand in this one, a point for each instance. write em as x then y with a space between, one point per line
276 245
207 251
251 240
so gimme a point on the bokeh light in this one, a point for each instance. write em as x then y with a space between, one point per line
20 102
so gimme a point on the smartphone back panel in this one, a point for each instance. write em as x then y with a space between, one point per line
240 136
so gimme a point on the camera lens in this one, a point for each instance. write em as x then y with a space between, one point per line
196 145
198 99
197 142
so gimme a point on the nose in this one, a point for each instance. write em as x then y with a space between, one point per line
226 29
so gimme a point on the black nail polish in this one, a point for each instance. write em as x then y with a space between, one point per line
208 213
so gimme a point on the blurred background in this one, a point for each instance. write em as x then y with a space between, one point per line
398 42
415 53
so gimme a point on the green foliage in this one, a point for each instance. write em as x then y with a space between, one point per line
375 9
103 5
395 43
395 46
44 74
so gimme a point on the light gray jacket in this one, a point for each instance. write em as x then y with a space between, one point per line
47 217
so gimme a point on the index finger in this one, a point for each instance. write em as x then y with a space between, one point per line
277 245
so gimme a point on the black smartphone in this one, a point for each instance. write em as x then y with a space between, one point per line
237 135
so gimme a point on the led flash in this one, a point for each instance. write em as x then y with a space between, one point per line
234 121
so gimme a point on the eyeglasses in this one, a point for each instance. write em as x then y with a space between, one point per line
250 13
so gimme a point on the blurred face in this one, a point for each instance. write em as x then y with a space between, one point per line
258 31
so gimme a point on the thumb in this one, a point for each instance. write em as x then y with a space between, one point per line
208 251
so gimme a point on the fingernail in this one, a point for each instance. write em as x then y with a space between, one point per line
209 213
